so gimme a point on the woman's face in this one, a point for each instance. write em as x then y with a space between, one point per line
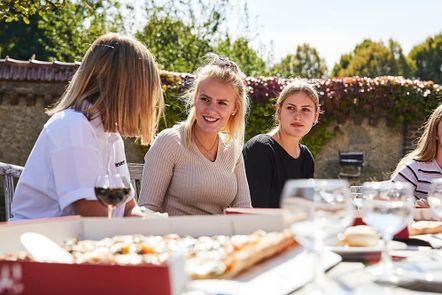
297 114
215 103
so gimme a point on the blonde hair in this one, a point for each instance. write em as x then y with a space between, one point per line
118 77
226 71
426 149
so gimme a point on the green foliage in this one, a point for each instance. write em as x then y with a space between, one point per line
373 59
239 51
305 63
173 44
427 58
62 34
16 10
177 37
261 118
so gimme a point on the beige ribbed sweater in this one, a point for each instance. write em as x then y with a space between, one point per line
181 181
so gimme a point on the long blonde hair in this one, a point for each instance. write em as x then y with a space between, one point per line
118 77
426 149
226 71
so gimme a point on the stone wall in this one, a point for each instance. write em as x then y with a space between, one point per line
22 116
382 147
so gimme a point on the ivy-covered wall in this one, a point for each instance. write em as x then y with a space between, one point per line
393 99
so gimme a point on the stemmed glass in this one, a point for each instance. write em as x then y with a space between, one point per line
317 210
435 196
111 191
387 208
356 195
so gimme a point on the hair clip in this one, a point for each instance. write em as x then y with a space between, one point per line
106 45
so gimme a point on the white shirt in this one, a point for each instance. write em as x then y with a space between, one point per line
64 163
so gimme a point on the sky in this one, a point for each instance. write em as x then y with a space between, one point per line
335 27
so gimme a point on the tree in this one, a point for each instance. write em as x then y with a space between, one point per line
14 10
305 63
62 35
174 45
180 33
427 58
373 59
240 52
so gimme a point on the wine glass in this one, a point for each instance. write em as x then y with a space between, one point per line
435 196
317 210
356 195
387 208
111 191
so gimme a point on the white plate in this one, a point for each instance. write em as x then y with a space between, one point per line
393 245
430 271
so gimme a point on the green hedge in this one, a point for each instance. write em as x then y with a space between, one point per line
395 99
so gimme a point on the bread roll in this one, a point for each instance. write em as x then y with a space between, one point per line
425 227
360 236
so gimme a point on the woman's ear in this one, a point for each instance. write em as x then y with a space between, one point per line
278 111
318 111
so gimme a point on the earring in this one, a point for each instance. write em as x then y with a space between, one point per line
233 114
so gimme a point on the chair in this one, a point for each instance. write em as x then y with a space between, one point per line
9 172
350 164
136 173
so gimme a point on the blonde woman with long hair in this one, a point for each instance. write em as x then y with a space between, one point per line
196 167
115 92
271 159
424 163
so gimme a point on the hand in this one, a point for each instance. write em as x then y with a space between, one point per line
421 203
141 211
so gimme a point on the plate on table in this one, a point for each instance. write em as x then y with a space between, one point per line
420 276
393 245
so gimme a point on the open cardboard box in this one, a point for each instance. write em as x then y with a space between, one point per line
57 278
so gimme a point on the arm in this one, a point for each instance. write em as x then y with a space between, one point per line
259 170
157 172
406 174
242 198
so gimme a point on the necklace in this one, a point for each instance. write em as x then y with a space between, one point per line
209 151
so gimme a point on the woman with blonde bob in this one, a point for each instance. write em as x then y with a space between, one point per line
423 164
196 167
115 92
271 159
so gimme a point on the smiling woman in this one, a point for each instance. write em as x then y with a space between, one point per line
196 167
271 159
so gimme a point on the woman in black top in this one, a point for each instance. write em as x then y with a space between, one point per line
273 158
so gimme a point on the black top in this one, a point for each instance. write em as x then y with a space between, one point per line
268 166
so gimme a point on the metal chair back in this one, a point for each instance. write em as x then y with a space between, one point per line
9 173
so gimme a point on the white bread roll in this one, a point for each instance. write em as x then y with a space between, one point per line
360 236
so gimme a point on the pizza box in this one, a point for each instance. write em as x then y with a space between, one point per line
58 278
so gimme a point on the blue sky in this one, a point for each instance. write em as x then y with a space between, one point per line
334 27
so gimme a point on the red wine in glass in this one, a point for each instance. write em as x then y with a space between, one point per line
112 191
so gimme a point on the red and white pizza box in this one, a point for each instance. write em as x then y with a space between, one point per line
58 278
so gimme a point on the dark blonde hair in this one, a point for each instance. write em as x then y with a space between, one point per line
118 77
226 71
426 149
